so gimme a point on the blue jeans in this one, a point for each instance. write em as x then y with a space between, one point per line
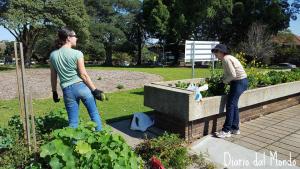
232 120
72 95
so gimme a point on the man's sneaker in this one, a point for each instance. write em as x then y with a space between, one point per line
236 132
223 134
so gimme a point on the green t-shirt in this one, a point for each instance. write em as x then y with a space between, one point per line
64 61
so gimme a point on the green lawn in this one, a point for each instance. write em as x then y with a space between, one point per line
168 73
120 104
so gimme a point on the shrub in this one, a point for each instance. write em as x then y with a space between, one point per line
13 151
255 78
120 86
6 139
169 148
84 148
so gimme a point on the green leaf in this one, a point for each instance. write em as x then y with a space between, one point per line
48 149
55 164
83 147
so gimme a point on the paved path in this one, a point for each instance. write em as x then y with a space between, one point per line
277 132
273 139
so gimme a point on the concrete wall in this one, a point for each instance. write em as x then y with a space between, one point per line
180 104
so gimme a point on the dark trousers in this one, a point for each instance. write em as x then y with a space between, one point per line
232 120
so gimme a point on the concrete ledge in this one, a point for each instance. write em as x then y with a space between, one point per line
180 104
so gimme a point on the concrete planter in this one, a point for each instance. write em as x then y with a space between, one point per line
180 103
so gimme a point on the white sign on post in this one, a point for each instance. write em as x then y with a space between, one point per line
196 51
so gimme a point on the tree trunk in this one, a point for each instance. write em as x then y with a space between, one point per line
139 61
28 54
108 51
28 39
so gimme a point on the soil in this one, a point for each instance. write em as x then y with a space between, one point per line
38 81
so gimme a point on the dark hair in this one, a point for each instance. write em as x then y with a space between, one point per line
62 34
220 47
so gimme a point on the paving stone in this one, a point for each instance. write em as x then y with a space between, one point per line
287 147
284 123
285 128
278 116
292 121
262 139
253 141
268 121
250 127
289 127
261 123
247 130
267 136
292 143
279 131
295 135
281 151
256 126
295 139
279 135
248 145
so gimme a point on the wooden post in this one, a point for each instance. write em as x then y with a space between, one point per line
32 123
20 92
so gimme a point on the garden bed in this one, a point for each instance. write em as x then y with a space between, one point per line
179 112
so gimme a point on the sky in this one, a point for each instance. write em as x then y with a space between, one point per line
294 27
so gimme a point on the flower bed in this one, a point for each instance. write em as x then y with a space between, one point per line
178 109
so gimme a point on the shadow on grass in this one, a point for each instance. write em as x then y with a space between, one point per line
138 93
6 68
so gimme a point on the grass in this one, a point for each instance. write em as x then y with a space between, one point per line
120 104
168 73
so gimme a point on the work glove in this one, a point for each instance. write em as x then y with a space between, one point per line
99 95
221 85
55 96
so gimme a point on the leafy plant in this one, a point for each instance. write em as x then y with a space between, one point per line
84 148
169 148
182 85
15 123
13 151
6 139
52 121
16 157
120 86
215 85
201 162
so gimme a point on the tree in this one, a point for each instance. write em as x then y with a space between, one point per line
107 20
9 51
44 46
2 49
27 20
231 25
173 22
109 36
156 17
258 44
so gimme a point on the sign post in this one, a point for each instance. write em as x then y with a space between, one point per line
196 51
